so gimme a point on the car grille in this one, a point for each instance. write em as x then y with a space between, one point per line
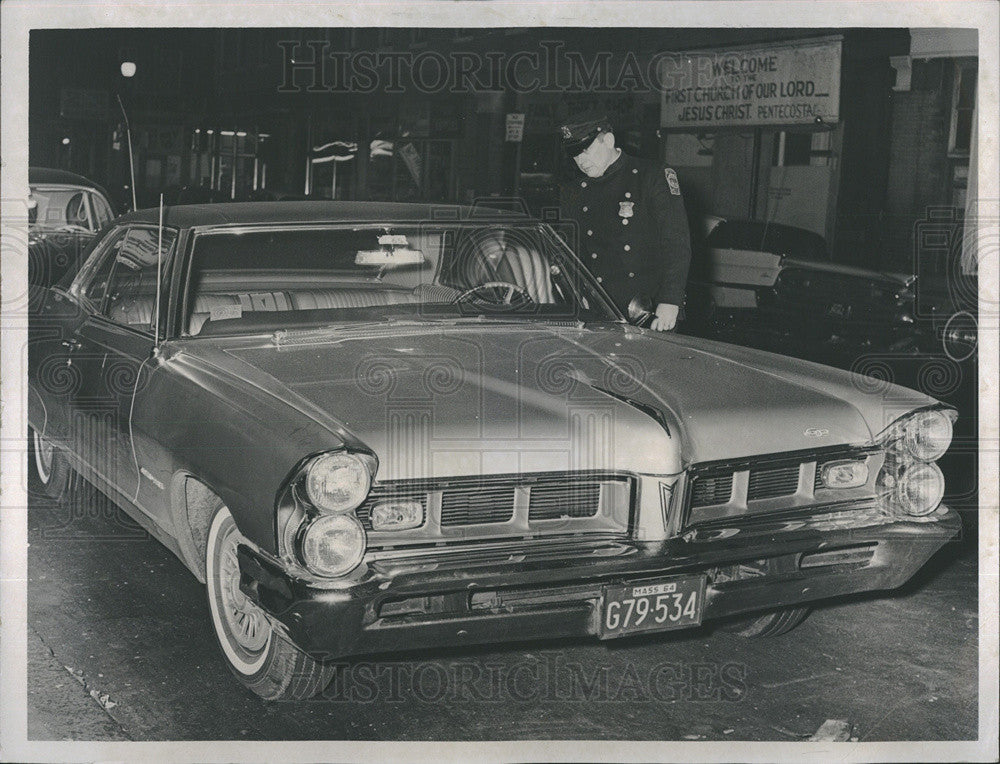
711 489
476 506
551 502
777 481
508 505
770 483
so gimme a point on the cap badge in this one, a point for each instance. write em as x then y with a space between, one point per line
625 209
566 132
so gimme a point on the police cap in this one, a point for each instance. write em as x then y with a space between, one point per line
580 130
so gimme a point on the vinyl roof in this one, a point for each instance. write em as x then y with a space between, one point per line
265 213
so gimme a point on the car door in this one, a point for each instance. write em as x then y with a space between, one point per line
58 365
115 346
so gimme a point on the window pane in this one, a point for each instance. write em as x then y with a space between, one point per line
102 210
963 130
967 89
97 286
132 297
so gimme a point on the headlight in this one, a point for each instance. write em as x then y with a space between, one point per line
923 435
927 435
910 482
338 482
915 488
332 545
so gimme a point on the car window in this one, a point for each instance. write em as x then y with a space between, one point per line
78 211
102 210
249 279
91 283
131 293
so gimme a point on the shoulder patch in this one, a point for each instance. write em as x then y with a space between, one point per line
671 176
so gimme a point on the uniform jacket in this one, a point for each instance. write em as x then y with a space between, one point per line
631 230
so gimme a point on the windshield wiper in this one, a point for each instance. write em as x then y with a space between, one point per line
282 336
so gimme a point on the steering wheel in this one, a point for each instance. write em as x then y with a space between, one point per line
512 289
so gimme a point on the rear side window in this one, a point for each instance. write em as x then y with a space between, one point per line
102 210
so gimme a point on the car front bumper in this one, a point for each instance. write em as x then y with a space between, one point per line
506 593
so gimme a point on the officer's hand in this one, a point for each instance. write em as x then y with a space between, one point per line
666 317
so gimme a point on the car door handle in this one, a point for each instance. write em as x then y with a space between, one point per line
71 344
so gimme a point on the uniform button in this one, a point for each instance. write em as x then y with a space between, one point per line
593 256
628 248
589 232
583 184
624 221
585 209
634 170
628 195
631 275
600 280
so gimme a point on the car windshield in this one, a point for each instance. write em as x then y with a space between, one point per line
60 208
259 278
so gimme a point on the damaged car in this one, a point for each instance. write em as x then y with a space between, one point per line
370 428
775 286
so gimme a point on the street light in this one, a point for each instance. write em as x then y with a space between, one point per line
128 72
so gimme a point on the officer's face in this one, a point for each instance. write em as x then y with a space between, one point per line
596 158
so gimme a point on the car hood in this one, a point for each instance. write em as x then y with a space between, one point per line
901 279
451 400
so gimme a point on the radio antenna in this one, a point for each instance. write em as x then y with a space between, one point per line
159 269
131 160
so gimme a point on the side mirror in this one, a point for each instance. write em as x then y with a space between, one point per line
640 310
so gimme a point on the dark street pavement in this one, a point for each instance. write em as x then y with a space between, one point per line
120 648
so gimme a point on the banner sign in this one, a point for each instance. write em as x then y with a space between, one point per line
788 85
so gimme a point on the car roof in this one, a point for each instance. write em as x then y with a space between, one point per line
39 176
269 213
65 177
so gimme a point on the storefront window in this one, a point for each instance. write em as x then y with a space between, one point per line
963 107
409 169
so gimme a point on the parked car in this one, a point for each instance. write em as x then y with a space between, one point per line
375 427
775 285
65 212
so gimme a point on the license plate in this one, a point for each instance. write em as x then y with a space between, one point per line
670 603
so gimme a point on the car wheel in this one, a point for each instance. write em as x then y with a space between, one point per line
769 624
49 467
259 656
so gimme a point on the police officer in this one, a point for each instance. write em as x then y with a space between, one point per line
631 225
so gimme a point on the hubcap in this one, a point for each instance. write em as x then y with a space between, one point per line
246 623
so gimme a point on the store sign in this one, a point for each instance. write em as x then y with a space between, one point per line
796 84
515 127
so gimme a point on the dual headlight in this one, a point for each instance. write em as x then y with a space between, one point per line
331 541
910 482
